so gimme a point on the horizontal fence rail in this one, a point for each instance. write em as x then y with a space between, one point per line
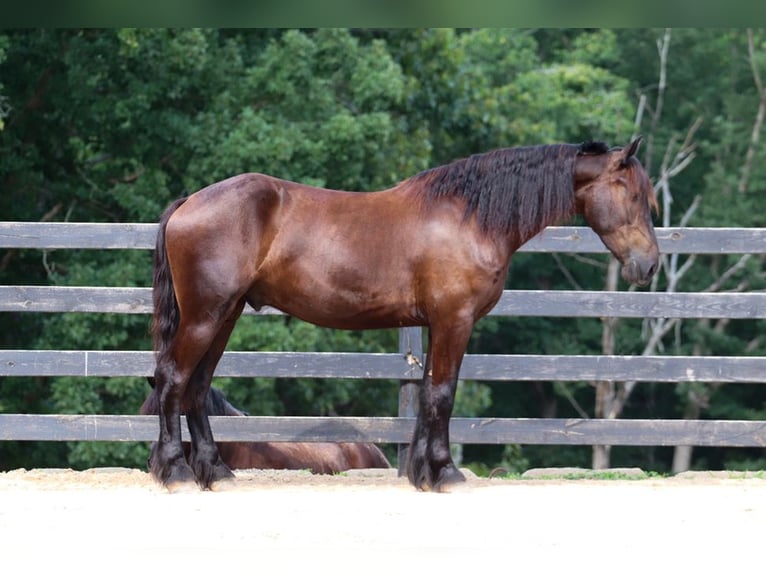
393 366
634 432
657 368
514 303
561 239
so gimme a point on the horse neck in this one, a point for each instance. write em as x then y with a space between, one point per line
518 235
514 193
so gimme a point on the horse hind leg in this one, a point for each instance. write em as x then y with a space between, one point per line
175 369
209 469
167 463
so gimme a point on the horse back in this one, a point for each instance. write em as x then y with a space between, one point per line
363 455
320 458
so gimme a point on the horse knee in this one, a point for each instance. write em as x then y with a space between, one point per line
443 397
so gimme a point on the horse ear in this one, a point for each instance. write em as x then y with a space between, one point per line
630 150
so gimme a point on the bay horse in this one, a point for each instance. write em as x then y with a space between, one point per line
318 457
432 251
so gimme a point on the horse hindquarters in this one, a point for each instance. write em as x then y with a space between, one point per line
208 296
166 462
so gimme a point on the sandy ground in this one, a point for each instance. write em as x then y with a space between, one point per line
371 521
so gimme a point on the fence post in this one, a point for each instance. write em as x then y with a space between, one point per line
411 348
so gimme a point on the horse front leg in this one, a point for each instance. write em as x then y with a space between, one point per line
430 466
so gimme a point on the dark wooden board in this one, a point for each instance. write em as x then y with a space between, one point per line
520 303
126 300
395 366
562 239
125 428
36 235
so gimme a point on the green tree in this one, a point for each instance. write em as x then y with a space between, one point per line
123 121
3 108
111 125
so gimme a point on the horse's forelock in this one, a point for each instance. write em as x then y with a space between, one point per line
593 147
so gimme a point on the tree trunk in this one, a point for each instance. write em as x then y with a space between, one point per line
601 456
606 398
682 458
682 454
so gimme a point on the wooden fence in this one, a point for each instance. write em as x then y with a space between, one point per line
667 369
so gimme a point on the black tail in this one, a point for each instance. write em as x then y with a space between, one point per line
165 321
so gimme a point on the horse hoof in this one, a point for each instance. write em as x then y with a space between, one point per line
208 475
224 485
418 476
175 476
181 487
448 478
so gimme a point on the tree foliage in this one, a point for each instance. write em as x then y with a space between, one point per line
112 125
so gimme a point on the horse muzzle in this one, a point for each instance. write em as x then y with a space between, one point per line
640 269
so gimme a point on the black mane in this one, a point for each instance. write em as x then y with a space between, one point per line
512 191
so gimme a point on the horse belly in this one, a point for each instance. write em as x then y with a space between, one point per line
340 297
348 310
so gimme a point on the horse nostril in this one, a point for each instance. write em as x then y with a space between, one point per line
652 270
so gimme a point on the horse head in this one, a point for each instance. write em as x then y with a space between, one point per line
615 196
